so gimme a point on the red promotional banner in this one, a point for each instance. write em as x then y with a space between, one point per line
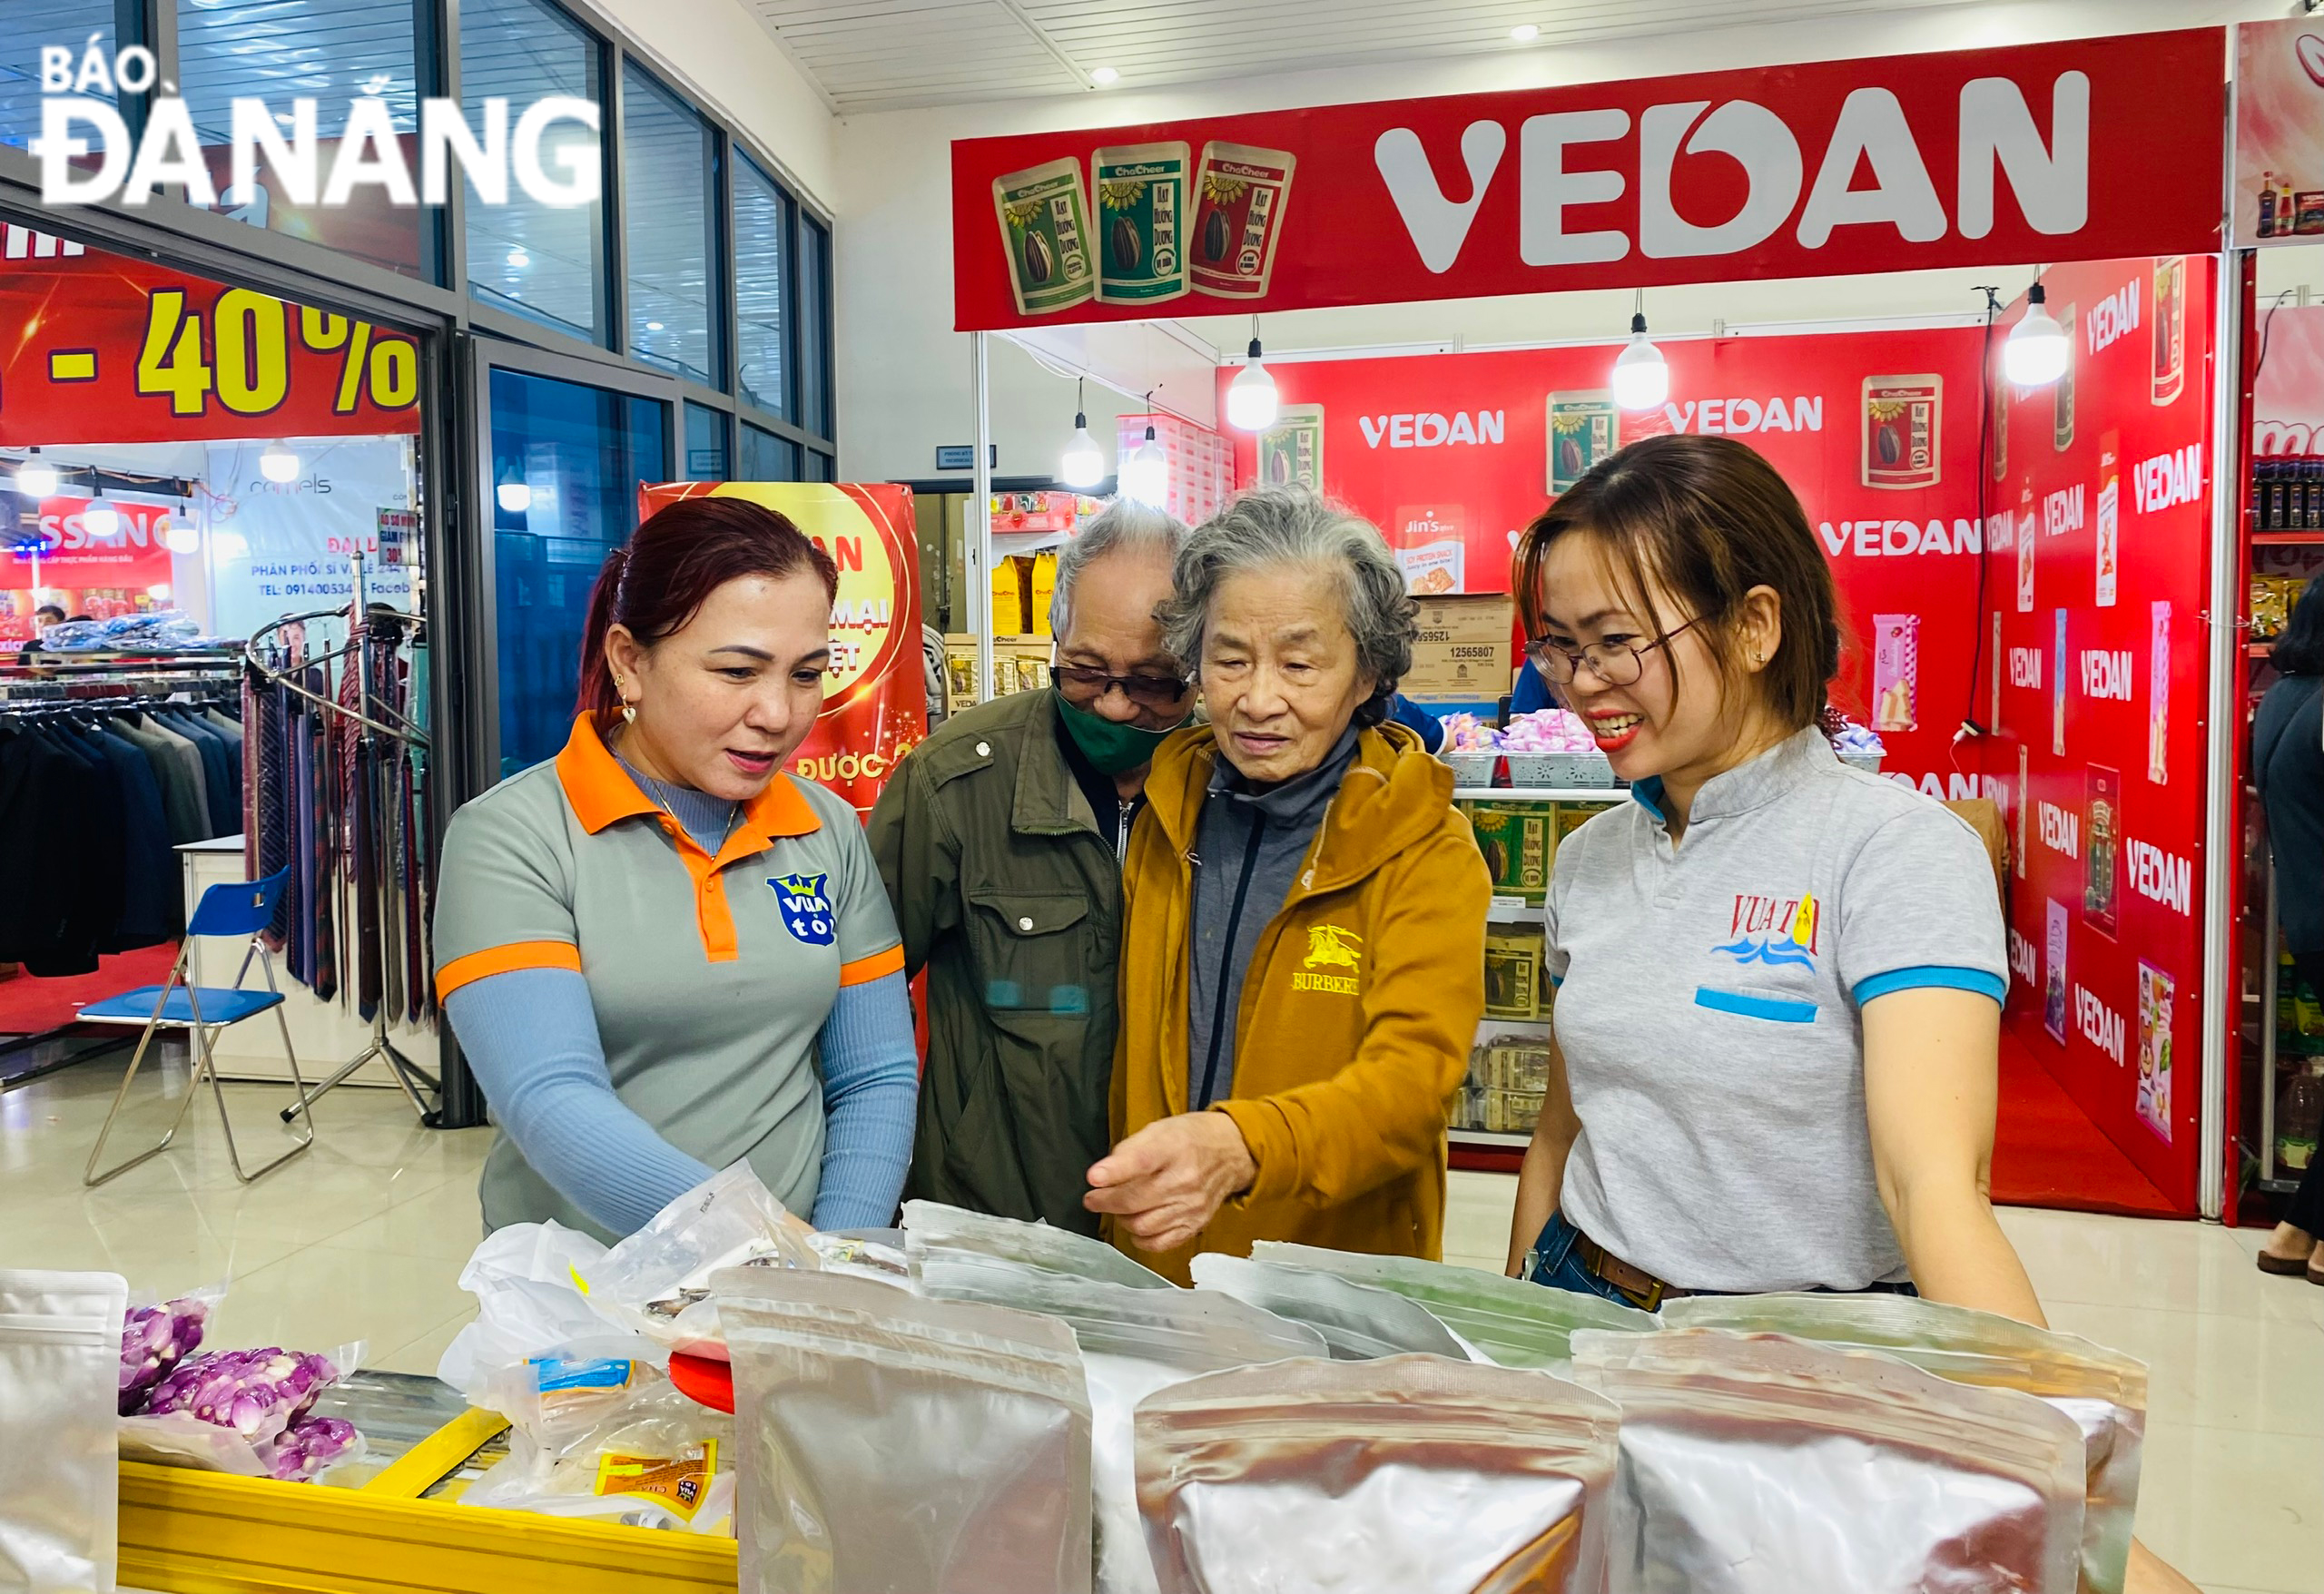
102 349
2090 148
72 558
875 699
1452 455
2098 600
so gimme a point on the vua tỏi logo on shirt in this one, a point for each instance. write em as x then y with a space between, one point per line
807 906
1774 930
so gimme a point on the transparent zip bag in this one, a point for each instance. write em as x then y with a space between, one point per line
1133 1343
729 1220
2104 1391
60 1360
1512 1323
890 1444
1358 1322
934 1229
526 1281
1762 1464
1406 1473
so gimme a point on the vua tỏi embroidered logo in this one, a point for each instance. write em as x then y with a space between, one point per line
807 906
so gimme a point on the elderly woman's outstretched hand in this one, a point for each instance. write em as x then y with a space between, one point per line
1164 1182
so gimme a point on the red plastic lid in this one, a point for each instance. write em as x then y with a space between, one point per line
712 1384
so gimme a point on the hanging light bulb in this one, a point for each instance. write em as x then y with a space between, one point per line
515 496
36 478
2035 355
1146 474
182 539
1083 464
1641 377
1251 399
101 520
279 464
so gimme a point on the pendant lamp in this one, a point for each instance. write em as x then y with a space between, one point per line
2035 353
1641 379
1251 399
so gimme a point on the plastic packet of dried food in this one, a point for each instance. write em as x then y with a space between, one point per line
729 1220
1514 1324
637 1453
1762 1464
934 1229
1357 1321
1133 1343
890 1444
60 1356
2103 1391
1410 1473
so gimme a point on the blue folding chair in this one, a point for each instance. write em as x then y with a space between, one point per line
230 909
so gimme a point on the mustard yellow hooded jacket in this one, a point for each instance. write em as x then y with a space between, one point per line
1357 1013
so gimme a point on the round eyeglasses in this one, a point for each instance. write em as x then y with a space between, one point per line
1151 691
1617 664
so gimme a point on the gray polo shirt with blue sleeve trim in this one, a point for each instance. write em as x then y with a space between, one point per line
1709 1013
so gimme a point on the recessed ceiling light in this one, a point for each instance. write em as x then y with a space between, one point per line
1524 33
1105 77
519 258
653 326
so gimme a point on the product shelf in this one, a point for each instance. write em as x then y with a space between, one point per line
2287 539
1540 793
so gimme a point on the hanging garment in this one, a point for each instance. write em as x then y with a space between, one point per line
170 772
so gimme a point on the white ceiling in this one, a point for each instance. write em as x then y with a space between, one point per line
897 55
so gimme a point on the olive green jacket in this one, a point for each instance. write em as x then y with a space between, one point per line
1010 899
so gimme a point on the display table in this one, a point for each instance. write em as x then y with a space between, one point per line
391 1522
326 1034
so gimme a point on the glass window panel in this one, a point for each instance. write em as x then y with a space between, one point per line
25 26
815 328
579 454
819 465
666 156
330 51
767 457
706 444
545 262
761 267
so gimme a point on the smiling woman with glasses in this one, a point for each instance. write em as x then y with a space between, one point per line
1780 979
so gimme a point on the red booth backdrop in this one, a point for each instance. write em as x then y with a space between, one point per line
2090 511
1452 455
2099 602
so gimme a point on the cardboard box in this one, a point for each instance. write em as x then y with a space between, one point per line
1984 818
1044 589
1462 654
1513 978
1516 840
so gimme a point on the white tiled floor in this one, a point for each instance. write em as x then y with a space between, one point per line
363 1238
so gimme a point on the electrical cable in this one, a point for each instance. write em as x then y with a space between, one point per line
1969 724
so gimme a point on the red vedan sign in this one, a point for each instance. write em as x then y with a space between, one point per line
96 348
1451 455
2080 150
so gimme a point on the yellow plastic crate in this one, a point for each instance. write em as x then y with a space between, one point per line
188 1532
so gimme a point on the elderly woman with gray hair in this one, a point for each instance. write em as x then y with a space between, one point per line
1302 949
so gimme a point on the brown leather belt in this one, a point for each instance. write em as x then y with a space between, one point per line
1642 1287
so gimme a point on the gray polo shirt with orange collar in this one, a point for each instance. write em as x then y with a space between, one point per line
1709 1011
710 977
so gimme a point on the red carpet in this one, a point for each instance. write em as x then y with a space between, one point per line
29 1005
2047 1153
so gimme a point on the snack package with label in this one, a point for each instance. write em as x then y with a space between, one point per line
611 1440
1512 1323
1133 1343
729 1220
1409 1473
931 1229
1358 1323
891 1443
2103 1391
1760 1464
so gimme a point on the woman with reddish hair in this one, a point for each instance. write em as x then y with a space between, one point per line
663 953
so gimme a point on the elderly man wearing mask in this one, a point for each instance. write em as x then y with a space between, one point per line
1303 959
1001 840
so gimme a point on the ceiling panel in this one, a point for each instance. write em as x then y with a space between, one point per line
895 54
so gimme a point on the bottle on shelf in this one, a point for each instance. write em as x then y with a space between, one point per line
2300 1113
2267 205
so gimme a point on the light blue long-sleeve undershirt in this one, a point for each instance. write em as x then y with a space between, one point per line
531 1038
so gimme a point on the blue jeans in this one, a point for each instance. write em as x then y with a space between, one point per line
1556 1262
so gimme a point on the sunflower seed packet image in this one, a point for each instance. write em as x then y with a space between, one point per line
1240 218
1045 226
1142 222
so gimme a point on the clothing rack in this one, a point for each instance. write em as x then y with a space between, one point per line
365 839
